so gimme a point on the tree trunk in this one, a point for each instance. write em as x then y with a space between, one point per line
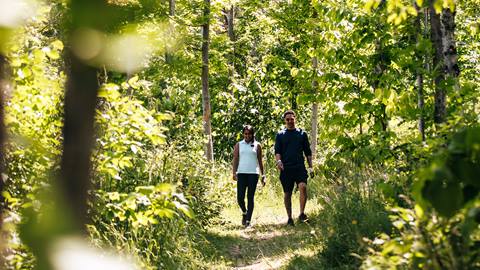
230 16
419 71
421 105
449 46
381 116
168 49
313 135
207 126
171 7
78 134
440 111
3 89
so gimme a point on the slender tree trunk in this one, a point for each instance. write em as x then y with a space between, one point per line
440 111
419 71
207 126
171 7
231 36
421 105
313 135
168 49
449 46
380 117
3 88
78 134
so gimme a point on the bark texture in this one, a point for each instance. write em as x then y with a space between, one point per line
313 135
419 79
440 110
78 134
229 18
168 49
207 126
3 90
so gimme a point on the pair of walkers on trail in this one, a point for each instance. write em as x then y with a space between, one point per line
291 144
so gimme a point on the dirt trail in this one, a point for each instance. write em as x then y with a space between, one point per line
269 243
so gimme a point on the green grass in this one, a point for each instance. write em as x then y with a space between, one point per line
269 243
342 211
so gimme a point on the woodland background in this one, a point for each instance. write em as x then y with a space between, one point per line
118 121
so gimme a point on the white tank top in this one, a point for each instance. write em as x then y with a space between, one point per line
248 161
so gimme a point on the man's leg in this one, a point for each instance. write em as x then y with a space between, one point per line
287 184
287 199
303 196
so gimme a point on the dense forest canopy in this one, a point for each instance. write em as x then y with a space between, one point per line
118 121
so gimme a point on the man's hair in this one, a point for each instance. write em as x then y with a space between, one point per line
287 113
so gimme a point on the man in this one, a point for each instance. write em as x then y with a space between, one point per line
291 144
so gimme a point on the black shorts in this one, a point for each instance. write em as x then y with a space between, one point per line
290 176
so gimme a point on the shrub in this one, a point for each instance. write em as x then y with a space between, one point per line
353 208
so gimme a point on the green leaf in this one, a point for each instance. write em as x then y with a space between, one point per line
57 45
165 212
184 209
164 188
113 196
145 190
294 72
447 199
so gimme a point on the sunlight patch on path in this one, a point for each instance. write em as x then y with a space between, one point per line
269 243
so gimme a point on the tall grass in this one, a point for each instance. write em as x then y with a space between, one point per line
353 208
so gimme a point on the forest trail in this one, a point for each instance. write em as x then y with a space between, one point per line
269 243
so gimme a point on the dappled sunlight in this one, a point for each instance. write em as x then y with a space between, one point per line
75 253
121 120
128 51
14 13
269 243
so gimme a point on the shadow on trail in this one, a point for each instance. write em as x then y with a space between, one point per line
240 247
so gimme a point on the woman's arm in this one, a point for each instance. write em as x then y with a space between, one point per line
260 163
235 161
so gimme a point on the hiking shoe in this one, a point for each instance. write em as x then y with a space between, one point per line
244 219
290 222
303 218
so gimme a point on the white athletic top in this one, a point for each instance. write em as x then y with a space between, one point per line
248 161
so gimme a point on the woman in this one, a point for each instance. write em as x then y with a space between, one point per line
247 165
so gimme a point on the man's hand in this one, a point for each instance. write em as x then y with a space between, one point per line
235 178
263 180
311 173
279 165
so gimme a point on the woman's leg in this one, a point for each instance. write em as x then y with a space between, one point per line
242 182
252 186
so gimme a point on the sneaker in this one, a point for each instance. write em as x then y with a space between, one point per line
247 224
244 219
303 218
290 222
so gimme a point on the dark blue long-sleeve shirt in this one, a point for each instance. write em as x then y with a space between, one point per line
292 145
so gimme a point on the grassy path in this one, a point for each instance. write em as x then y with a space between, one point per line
269 243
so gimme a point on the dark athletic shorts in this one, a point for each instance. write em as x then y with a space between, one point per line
290 176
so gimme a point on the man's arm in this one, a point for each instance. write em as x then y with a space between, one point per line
235 161
309 161
278 156
278 160
308 153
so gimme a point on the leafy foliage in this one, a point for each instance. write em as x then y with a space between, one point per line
148 149
453 174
